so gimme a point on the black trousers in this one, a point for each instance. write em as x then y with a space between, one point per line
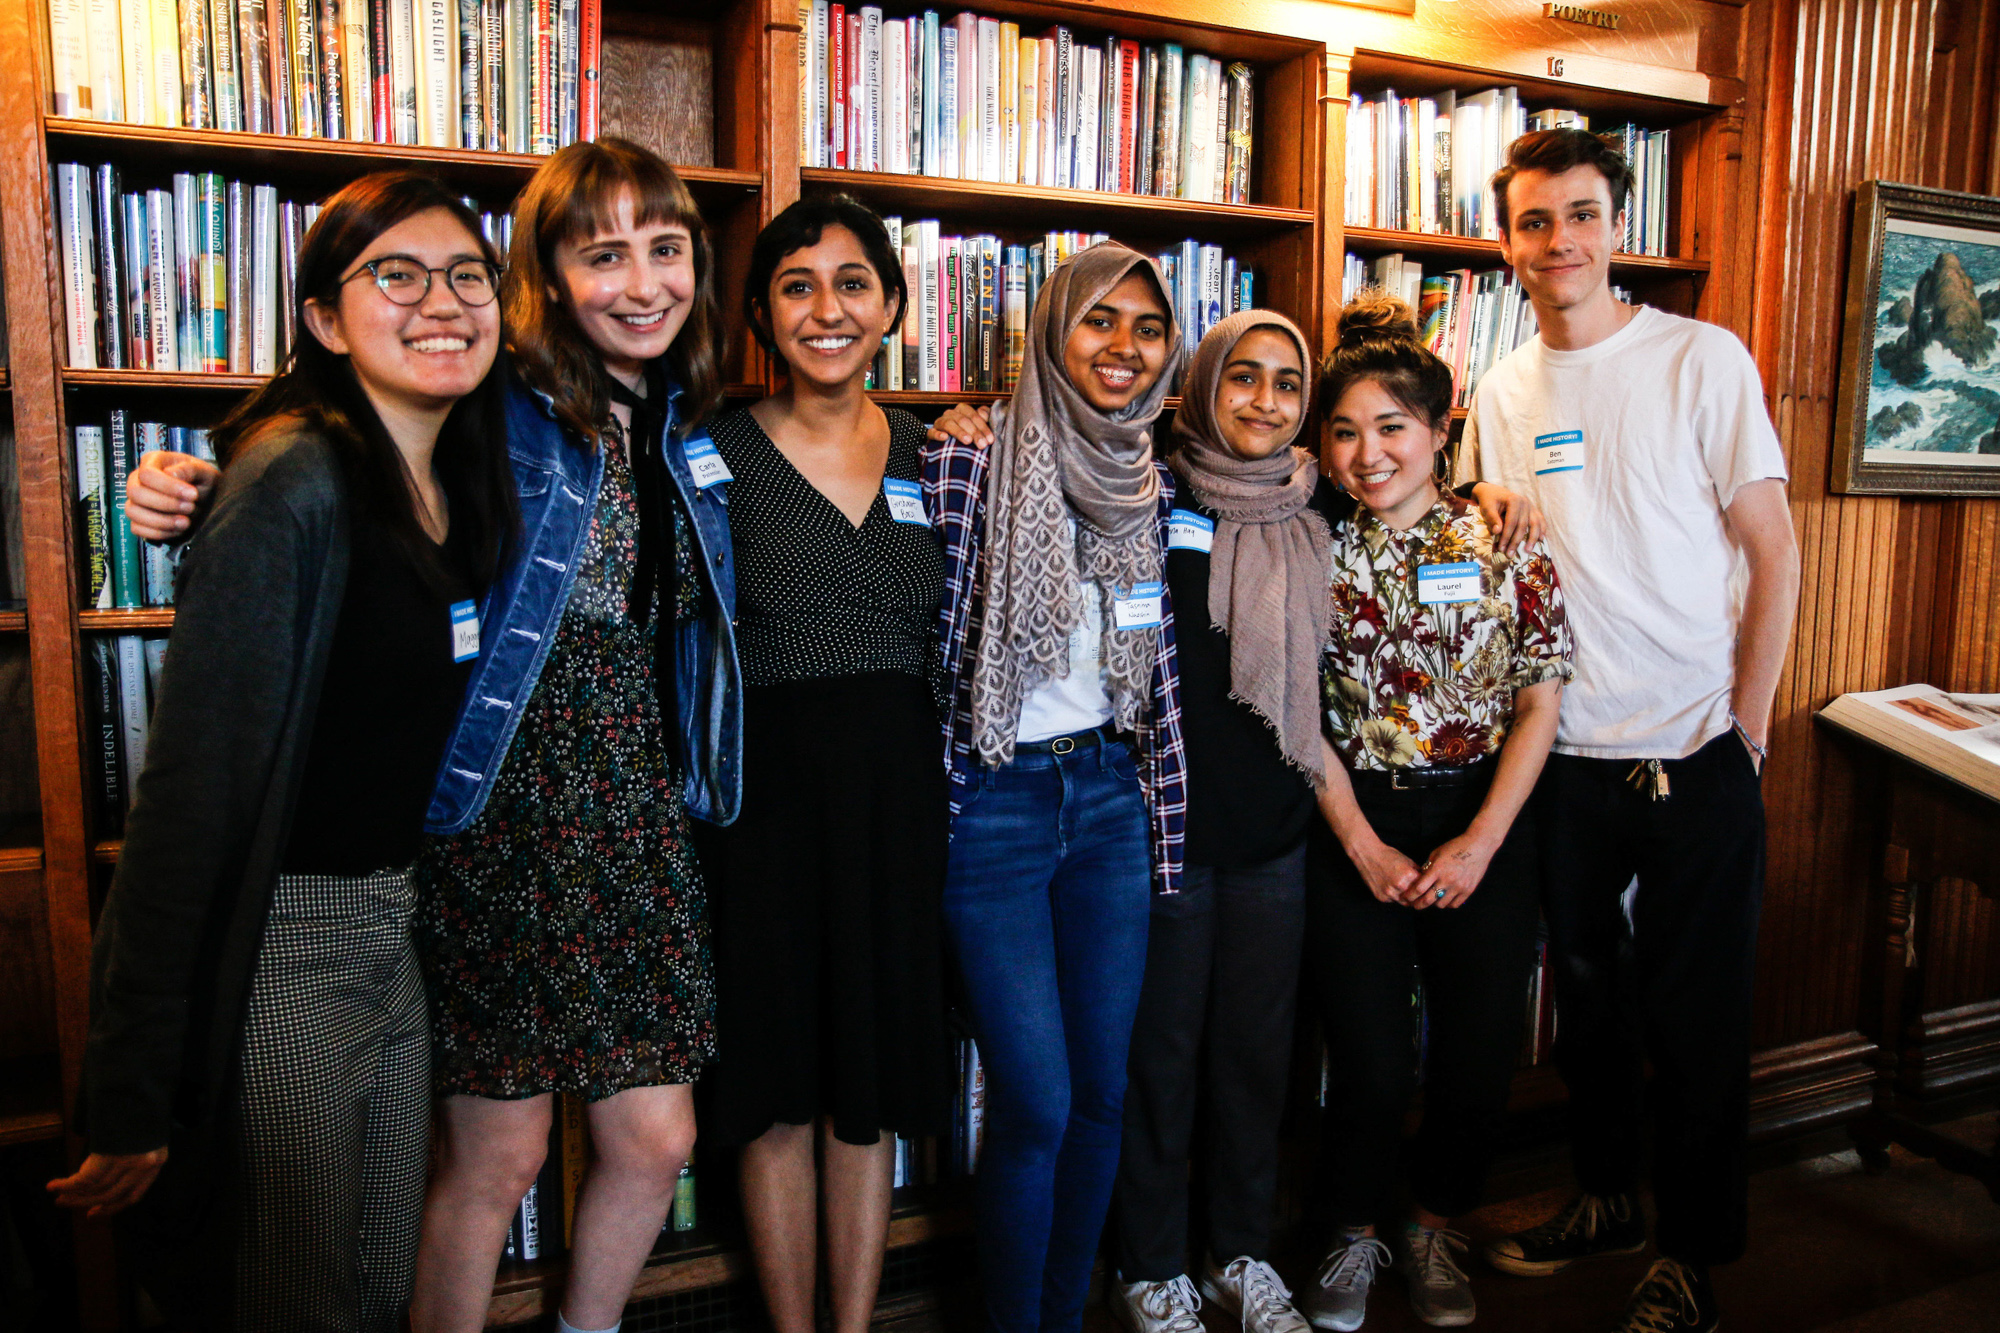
1475 959
1214 1027
1672 983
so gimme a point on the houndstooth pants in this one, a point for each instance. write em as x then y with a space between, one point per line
336 1105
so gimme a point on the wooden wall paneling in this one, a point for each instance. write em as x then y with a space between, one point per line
656 87
1333 191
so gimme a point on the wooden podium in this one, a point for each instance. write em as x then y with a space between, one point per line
1934 829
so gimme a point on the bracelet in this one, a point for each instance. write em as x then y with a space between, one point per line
1763 751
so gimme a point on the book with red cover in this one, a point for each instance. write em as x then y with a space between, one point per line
1128 116
836 85
590 68
378 69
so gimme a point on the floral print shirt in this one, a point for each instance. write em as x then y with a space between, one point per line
1407 685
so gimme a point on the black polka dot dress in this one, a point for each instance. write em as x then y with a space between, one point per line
827 891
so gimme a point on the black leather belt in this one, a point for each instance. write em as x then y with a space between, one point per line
1424 778
1102 734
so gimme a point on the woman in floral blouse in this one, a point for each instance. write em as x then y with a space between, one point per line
1440 684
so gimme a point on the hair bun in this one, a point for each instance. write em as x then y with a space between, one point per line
1373 315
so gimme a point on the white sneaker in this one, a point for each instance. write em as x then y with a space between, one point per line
1158 1307
1252 1290
1440 1292
1338 1298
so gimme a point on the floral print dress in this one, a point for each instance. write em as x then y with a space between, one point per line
1406 684
565 933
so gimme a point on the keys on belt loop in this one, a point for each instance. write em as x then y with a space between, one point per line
1062 745
1650 773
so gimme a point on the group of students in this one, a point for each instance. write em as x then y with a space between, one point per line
532 725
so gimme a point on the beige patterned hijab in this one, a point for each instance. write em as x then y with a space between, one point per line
1057 457
1270 568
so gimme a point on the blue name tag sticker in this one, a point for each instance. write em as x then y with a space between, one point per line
1443 585
1189 531
1559 451
464 631
705 461
1142 608
906 501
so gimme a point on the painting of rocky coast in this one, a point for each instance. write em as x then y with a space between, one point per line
1934 387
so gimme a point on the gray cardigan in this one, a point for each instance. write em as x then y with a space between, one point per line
258 598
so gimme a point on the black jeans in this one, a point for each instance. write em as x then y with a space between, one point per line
1476 960
1672 984
1215 1026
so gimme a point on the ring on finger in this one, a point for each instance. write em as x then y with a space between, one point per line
1439 895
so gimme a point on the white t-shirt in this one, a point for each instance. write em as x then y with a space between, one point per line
1633 448
1076 702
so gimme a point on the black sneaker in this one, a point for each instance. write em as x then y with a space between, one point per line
1589 1228
1674 1298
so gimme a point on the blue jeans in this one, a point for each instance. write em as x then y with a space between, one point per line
1047 895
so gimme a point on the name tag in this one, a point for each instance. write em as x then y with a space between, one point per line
1439 585
705 462
464 631
1189 531
1559 451
906 501
1143 608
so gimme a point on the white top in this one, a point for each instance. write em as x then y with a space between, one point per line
1633 448
1076 702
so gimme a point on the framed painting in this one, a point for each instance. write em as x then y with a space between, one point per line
1919 407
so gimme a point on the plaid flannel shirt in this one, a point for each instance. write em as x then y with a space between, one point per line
955 497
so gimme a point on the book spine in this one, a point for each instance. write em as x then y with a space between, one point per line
543 92
1189 170
866 153
127 570
156 561
590 70
471 66
491 102
1109 132
989 313
1010 103
253 26
1065 108
1128 118
161 317
967 101
988 33
912 83
263 280
211 212
1167 130
136 274
805 83
197 111
106 65
888 371
236 205
520 41
225 68
132 712
164 69
1218 154
94 500
109 258
357 65
440 90
79 263
929 243
947 100
135 41
837 146
1028 167
913 318
1088 110
949 313
102 660
815 76
1014 317
895 123
69 61
1242 131
569 22
929 57
402 71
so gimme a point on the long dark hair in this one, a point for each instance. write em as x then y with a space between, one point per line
571 199
318 388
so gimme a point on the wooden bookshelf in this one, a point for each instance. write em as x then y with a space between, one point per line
126 621
1477 251
13 622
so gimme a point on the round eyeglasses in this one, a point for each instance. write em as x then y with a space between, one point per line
406 282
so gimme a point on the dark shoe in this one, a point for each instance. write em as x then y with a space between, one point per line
1589 1228
1674 1298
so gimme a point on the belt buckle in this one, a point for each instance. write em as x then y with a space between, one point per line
1396 780
1062 745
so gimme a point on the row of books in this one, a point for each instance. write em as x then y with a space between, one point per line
518 76
194 279
122 675
966 331
974 98
1424 164
119 571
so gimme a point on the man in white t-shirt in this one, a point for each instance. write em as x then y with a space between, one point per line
1644 438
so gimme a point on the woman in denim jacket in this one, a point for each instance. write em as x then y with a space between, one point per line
563 922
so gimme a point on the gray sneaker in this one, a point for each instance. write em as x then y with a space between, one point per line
1157 1307
1440 1293
1252 1291
1338 1297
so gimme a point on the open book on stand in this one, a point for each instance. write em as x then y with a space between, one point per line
1956 736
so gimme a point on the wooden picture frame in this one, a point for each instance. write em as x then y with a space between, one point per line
1919 406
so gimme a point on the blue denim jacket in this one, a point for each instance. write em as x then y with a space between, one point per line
559 478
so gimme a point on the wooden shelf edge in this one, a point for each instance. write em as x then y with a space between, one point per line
105 852
1372 240
14 860
13 622
158 379
30 1127
377 156
923 398
125 621
950 192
